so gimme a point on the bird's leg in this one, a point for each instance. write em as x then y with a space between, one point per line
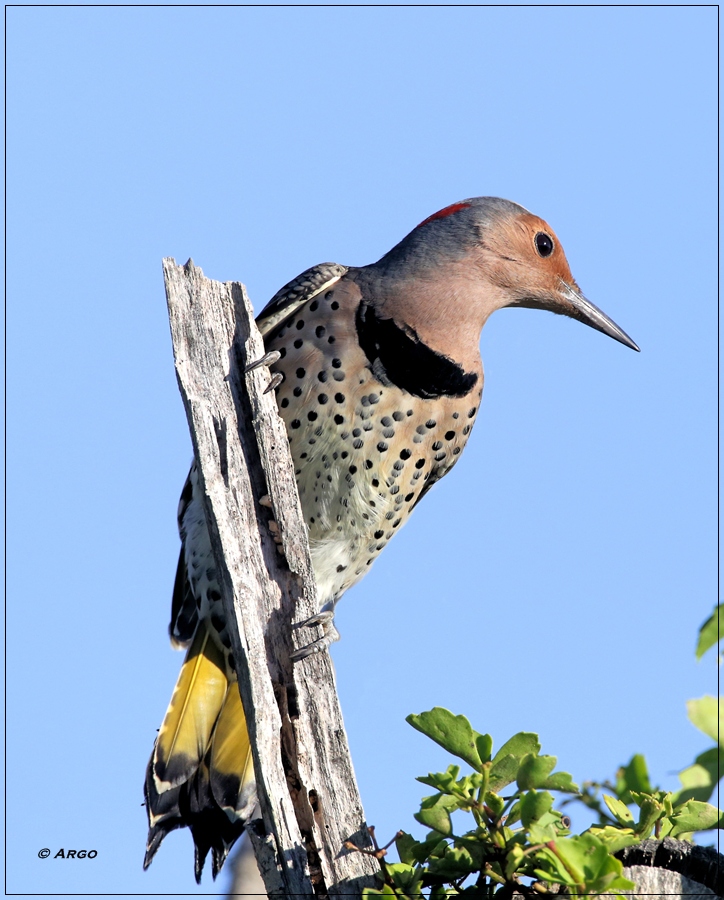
273 356
325 619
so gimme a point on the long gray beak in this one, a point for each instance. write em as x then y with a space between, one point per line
591 315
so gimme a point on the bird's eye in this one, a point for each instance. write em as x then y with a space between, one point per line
544 244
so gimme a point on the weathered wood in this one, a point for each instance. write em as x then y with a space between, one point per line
308 794
673 868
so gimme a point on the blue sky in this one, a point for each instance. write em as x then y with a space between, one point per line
554 582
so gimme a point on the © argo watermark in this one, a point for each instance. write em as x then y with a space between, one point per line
68 854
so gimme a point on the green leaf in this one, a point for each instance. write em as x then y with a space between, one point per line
534 770
495 803
694 816
651 812
560 781
433 844
514 858
699 780
406 878
435 813
507 760
455 863
441 781
519 745
705 714
711 632
440 892
585 860
455 734
614 838
619 810
541 834
503 772
406 845
533 805
385 891
484 746
632 777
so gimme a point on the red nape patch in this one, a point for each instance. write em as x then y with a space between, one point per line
448 211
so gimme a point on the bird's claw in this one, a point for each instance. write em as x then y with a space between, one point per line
321 618
276 380
273 356
268 359
329 635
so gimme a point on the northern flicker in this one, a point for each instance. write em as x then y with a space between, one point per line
379 379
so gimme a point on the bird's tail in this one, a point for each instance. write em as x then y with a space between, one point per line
200 773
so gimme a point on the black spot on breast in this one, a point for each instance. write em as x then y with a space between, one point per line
339 419
297 392
323 398
397 356
322 376
300 372
300 324
284 403
320 330
298 343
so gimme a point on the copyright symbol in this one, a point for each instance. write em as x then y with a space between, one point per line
44 853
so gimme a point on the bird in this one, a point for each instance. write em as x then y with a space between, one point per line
378 379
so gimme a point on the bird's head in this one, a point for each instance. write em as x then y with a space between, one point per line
486 253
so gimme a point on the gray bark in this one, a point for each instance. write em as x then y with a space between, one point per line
671 868
308 794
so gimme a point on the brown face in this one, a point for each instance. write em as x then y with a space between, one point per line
525 259
528 260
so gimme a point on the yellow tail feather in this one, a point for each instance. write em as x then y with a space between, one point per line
194 708
232 769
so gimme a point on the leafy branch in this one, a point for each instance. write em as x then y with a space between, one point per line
517 841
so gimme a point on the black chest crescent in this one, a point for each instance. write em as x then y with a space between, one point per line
398 357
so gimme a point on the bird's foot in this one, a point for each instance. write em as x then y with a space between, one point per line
329 634
268 359
273 356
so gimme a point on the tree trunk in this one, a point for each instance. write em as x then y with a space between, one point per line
307 791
